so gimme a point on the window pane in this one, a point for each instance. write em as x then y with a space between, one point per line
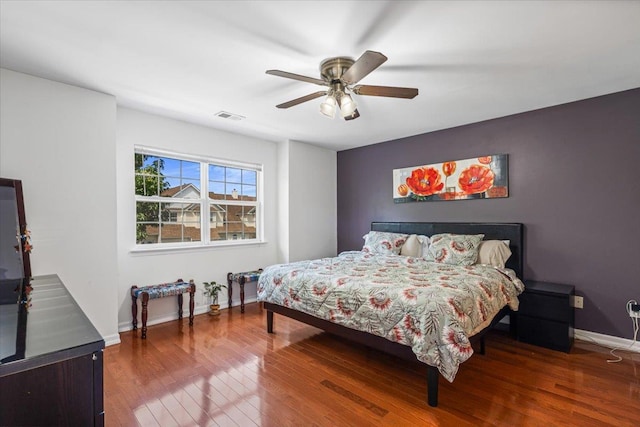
147 211
232 191
146 176
234 175
218 232
218 222
190 170
241 222
232 222
149 175
138 161
180 222
216 190
217 215
216 173
146 185
249 219
147 215
191 189
151 161
177 233
249 191
171 167
249 177
179 178
183 212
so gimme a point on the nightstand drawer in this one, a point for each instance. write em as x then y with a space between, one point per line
545 333
546 306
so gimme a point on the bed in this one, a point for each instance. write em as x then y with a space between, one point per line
403 305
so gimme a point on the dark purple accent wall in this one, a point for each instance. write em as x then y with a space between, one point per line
574 181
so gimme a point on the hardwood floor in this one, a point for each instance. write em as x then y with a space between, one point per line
228 371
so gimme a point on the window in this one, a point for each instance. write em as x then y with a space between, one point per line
173 193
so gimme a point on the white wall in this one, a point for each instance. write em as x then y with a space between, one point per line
283 201
202 264
312 202
59 140
73 150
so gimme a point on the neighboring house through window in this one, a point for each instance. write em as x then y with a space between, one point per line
173 190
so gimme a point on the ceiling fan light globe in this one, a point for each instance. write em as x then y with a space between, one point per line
347 105
328 107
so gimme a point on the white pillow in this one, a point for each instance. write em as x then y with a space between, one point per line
412 247
424 240
416 246
494 252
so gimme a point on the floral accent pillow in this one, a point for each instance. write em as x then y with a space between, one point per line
454 249
380 242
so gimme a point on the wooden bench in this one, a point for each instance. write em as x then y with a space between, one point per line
241 279
178 288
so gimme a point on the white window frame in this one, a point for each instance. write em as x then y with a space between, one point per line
204 201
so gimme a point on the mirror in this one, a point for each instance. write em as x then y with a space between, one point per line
15 271
15 265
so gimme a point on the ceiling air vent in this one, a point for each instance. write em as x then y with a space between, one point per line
230 116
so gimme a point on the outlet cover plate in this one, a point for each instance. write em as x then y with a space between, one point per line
577 301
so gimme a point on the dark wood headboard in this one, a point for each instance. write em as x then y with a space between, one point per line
514 232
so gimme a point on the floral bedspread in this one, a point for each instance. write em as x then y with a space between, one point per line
433 308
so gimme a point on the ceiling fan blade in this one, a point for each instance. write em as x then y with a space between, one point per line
302 99
389 91
368 62
293 76
355 115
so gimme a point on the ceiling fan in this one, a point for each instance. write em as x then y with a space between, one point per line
340 74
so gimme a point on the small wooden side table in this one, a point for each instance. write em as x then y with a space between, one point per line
241 279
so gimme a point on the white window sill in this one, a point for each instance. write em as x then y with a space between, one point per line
168 248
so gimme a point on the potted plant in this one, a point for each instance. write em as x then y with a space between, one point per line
211 289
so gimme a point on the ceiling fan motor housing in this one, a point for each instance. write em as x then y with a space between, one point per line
332 69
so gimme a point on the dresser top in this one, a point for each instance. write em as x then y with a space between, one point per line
54 326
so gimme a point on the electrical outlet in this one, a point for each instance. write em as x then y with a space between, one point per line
577 302
633 308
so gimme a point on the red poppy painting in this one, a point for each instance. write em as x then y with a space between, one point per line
482 177
425 181
476 179
449 168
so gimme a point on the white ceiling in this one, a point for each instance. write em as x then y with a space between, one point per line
471 61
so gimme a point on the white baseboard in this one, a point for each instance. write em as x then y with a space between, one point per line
111 339
201 309
607 340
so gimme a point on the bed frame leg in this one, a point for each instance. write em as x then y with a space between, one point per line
270 321
432 386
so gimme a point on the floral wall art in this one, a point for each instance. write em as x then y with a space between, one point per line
483 177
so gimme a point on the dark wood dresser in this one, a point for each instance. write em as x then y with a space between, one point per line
50 361
545 316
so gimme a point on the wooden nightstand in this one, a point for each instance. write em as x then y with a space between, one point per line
545 316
